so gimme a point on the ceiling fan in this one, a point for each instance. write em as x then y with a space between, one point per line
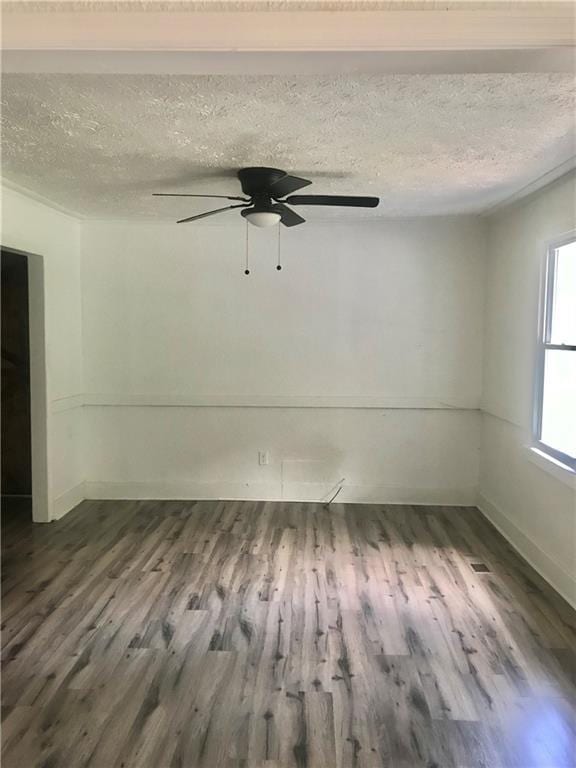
265 203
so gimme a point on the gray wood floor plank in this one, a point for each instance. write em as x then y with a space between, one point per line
279 635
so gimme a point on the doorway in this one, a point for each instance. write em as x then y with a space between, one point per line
16 465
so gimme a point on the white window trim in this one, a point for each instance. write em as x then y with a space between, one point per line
551 465
544 455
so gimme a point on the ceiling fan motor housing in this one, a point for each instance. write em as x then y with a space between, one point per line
259 181
262 204
265 187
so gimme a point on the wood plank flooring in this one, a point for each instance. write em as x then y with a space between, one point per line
268 635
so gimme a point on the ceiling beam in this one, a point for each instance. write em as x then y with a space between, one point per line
525 27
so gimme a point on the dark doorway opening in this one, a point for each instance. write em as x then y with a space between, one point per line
16 416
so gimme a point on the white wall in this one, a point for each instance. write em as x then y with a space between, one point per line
535 509
361 359
55 312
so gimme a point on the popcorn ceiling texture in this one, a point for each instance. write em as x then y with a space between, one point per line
427 144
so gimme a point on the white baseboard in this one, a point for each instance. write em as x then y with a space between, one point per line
67 501
182 490
558 578
294 491
379 494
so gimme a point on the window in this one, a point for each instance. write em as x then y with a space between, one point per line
555 401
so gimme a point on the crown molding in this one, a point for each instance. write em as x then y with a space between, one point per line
547 179
30 194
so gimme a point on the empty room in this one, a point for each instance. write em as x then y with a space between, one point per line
288 384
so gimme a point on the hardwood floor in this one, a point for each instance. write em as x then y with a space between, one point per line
244 635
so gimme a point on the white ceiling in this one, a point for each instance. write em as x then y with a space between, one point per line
427 144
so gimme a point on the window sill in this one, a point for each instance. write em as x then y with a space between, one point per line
551 465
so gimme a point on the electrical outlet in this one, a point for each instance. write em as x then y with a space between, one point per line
263 458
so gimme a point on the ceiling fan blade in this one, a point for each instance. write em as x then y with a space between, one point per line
210 213
286 185
182 194
354 202
289 217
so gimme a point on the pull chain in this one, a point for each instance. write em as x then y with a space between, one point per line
247 270
279 266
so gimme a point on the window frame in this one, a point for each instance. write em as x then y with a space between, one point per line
547 285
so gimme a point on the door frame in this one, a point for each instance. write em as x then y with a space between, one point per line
38 386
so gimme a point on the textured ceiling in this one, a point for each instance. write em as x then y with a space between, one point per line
427 144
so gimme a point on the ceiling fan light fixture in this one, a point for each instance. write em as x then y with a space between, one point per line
262 218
